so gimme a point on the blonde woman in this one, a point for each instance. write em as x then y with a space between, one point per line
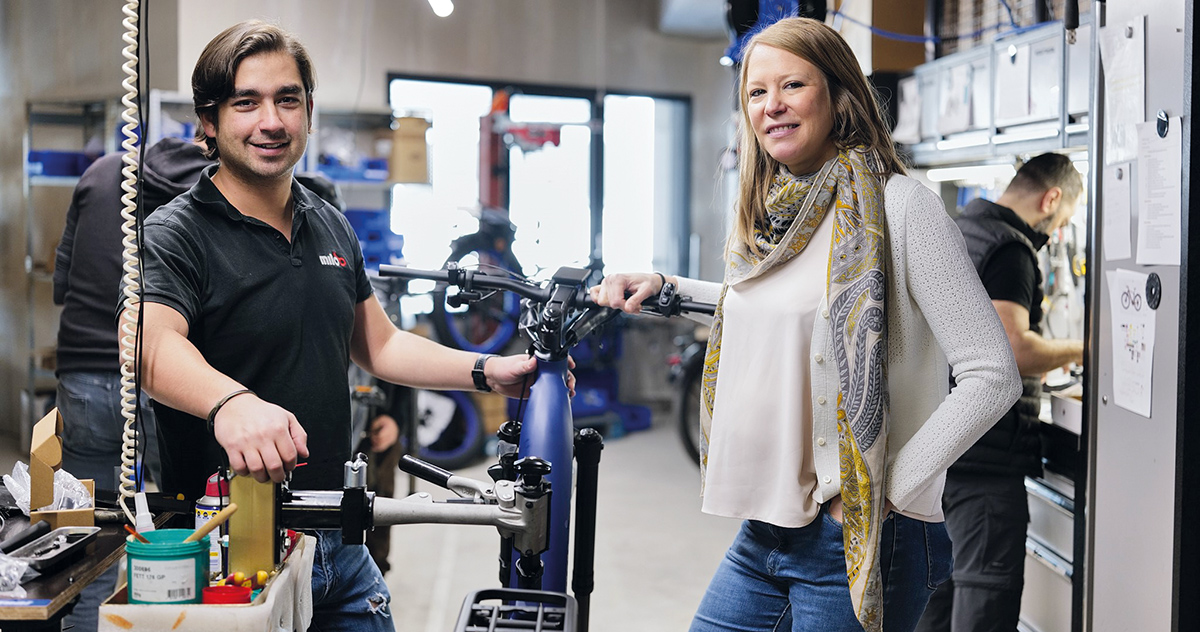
826 424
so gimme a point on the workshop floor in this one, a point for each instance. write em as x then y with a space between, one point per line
655 551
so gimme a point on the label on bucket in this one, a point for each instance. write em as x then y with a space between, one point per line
162 581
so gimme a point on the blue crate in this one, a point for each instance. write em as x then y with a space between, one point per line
49 162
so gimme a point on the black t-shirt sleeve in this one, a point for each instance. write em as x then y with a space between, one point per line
362 283
171 269
1010 275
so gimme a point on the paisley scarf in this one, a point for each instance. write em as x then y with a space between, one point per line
856 289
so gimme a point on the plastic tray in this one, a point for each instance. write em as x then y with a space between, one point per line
42 556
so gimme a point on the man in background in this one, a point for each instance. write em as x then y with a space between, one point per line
984 502
87 280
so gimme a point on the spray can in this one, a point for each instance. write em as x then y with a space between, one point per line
216 496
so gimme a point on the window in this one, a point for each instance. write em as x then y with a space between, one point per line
639 177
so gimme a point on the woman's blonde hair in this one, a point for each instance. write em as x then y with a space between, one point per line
858 120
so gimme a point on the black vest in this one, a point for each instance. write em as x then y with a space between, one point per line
1013 445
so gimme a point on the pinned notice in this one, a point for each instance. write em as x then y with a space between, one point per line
1160 193
1123 52
1132 339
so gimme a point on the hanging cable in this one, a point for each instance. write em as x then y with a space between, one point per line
131 286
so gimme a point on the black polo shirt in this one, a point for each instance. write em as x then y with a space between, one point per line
273 315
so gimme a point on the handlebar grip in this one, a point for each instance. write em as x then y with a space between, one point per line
697 308
405 272
425 471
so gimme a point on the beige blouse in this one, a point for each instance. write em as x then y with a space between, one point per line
764 470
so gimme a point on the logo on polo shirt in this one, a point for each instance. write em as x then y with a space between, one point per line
332 259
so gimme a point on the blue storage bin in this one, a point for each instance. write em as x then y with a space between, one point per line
49 162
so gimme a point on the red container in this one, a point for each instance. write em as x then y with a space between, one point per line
226 594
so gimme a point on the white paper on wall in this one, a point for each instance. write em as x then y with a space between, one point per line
1123 54
1160 194
1117 223
1132 340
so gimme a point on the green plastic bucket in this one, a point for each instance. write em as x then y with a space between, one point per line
166 570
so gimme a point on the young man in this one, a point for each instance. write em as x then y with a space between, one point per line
255 300
984 501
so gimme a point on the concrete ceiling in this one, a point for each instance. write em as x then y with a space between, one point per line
693 18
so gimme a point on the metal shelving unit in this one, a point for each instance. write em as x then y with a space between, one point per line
82 125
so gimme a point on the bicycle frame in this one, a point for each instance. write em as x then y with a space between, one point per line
556 318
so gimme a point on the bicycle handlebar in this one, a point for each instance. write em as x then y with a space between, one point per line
668 303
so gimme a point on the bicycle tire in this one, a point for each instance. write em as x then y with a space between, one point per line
689 406
488 325
450 430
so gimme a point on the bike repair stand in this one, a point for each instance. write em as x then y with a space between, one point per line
588 444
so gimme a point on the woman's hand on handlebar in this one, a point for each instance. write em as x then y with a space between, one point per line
507 375
626 291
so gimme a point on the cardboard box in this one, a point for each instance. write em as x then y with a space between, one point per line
45 458
493 410
409 161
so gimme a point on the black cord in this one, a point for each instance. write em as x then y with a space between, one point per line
143 70
524 398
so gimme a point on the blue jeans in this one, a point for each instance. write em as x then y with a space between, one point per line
90 404
778 579
348 590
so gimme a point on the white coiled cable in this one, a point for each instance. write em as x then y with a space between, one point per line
131 285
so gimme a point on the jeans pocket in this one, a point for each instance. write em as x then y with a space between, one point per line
940 554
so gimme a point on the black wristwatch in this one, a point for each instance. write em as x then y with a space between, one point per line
481 384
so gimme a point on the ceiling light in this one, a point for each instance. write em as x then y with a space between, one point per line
965 140
442 8
1018 135
972 173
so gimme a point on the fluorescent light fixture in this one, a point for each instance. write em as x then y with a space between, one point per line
1076 128
1018 135
442 8
972 173
965 140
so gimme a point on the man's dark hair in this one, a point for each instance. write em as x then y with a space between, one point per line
1046 171
213 77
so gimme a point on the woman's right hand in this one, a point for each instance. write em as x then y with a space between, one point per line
626 291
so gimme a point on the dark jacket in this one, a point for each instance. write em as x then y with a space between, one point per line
1013 445
87 264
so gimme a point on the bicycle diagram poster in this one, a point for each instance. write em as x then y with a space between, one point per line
1132 340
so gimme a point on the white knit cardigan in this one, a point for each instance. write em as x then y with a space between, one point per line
940 319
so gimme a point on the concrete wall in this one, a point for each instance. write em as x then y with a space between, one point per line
51 49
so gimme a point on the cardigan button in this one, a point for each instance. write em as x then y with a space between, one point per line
819 358
827 480
824 313
820 440
821 400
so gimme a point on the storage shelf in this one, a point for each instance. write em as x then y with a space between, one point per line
53 181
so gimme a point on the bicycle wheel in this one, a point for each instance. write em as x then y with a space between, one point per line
485 326
689 406
449 429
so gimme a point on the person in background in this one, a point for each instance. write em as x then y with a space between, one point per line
826 424
87 281
255 300
985 503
